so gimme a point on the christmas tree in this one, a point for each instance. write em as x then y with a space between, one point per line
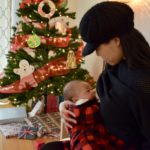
45 53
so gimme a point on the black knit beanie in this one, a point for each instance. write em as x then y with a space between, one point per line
103 22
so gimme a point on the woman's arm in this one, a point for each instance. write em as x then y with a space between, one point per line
66 115
141 108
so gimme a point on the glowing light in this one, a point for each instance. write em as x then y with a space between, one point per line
52 92
133 3
33 98
123 1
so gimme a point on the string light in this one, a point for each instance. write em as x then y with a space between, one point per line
33 98
130 2
137 5
43 77
52 92
123 1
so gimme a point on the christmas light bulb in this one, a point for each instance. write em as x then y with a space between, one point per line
52 92
33 98
79 36
51 84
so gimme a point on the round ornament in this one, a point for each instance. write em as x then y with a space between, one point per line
52 8
34 41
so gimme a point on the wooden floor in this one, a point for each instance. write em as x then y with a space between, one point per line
20 144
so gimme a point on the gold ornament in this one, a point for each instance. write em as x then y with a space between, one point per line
71 60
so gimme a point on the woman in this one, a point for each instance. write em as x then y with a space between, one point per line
124 85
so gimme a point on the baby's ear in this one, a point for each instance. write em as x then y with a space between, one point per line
74 99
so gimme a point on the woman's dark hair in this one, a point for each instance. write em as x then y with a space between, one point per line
136 49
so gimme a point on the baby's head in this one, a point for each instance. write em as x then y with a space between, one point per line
77 89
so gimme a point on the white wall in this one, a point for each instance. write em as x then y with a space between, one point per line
92 63
14 6
5 7
142 17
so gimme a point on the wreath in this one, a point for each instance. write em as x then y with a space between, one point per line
52 8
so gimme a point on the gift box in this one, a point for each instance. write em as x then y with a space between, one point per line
44 104
11 129
49 123
27 132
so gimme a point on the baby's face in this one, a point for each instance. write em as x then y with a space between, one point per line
85 91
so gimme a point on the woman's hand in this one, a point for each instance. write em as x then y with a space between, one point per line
66 115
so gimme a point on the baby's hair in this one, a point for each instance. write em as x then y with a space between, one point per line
70 89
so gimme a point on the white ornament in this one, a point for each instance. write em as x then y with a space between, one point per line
24 69
29 51
51 54
61 26
52 8
19 28
53 21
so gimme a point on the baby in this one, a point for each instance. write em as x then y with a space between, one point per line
89 133
78 92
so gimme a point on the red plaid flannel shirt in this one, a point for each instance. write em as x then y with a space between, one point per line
90 133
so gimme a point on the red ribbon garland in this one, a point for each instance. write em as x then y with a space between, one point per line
20 41
29 2
51 69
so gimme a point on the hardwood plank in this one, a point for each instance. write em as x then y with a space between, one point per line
20 144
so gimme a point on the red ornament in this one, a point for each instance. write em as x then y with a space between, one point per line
61 3
22 5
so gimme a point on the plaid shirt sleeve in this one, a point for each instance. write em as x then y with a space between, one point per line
87 113
85 134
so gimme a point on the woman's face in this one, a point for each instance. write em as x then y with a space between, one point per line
111 52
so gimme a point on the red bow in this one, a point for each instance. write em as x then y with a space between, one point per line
25 132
